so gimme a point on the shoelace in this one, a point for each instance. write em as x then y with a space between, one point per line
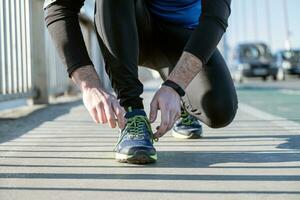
186 118
134 128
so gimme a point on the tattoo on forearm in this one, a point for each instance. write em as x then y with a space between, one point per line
186 69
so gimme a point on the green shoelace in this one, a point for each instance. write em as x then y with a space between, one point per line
134 128
186 118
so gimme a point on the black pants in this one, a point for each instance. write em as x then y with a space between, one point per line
129 37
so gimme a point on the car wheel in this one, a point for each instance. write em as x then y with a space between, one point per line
264 78
280 76
241 80
239 77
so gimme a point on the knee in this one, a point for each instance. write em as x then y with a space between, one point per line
221 112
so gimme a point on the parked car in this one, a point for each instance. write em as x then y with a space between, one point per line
288 61
254 60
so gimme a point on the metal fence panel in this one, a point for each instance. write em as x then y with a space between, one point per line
15 64
29 65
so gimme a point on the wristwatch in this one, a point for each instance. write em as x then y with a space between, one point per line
175 86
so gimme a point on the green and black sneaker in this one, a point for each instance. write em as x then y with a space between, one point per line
187 127
136 140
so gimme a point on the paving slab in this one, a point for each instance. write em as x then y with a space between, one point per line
59 153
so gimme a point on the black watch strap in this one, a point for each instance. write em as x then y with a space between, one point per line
175 86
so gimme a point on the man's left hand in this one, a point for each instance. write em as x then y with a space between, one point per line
167 101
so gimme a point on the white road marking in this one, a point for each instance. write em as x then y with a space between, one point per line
290 126
290 92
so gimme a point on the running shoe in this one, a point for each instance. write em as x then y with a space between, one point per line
136 140
187 127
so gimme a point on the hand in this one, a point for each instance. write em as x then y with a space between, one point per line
168 101
103 107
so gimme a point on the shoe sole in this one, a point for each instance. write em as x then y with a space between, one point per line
191 136
139 157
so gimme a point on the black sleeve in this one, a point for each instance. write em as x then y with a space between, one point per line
61 17
213 24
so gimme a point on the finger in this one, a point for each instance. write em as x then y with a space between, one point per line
153 110
110 115
172 120
94 115
103 115
119 115
177 116
164 123
99 113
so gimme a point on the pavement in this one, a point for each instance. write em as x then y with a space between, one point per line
57 152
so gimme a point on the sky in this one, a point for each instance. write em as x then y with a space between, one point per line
242 23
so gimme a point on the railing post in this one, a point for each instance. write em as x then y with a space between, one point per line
38 57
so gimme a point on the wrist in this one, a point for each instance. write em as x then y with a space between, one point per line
86 78
176 87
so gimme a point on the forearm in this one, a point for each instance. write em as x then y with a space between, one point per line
212 25
203 41
61 19
86 78
186 69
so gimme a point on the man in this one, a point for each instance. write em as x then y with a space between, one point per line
180 35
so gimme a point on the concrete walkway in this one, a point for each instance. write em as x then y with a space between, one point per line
57 152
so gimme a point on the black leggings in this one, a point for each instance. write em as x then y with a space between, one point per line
129 36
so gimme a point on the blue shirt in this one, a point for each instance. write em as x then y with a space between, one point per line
185 13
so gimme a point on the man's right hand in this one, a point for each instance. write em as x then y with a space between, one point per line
102 106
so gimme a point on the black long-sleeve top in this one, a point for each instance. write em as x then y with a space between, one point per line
61 18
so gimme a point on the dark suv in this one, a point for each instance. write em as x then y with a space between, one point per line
254 60
288 61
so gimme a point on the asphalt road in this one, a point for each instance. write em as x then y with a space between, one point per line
281 98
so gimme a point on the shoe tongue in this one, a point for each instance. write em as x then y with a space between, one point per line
135 112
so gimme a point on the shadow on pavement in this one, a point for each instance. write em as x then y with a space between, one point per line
200 160
293 142
13 128
172 159
150 190
187 177
180 159
175 159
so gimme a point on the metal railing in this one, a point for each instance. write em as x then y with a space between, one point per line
15 63
29 65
